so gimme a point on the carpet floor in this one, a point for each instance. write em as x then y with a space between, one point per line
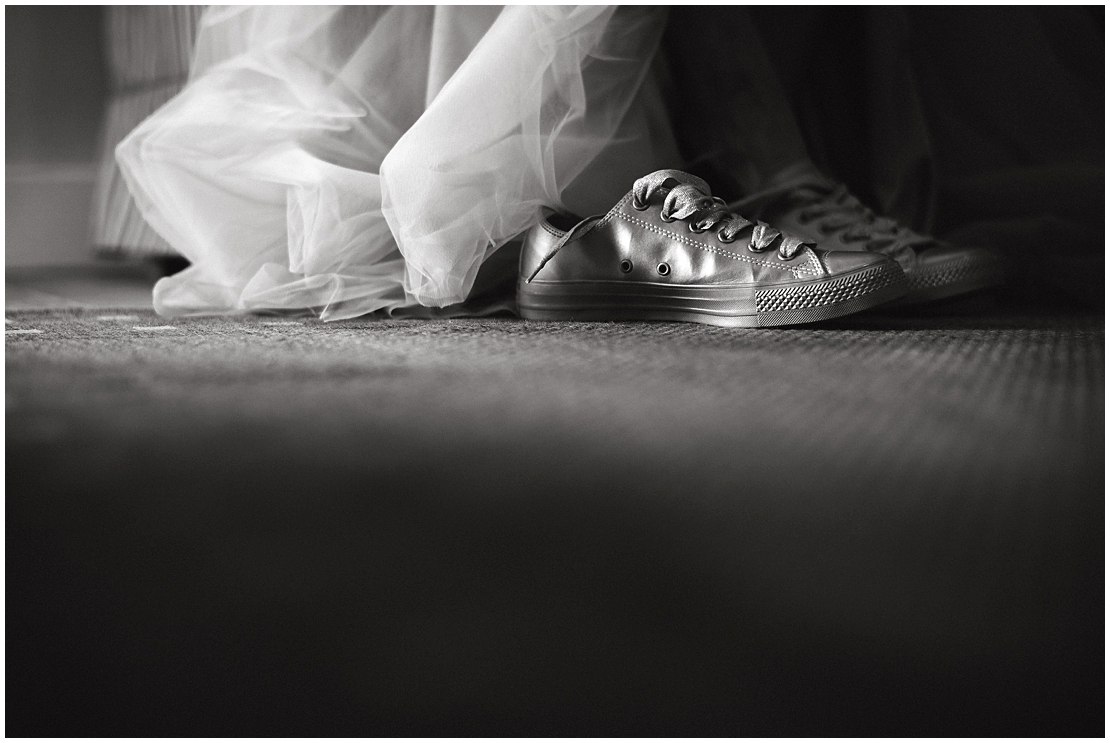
885 525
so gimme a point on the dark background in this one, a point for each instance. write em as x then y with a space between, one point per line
56 83
57 91
983 126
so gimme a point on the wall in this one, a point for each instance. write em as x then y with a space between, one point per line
56 91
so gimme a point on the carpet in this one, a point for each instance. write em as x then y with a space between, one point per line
883 525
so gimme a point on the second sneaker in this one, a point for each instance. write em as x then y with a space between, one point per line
806 203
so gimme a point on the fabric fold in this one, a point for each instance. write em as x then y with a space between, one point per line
355 159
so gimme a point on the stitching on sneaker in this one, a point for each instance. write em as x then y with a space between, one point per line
615 210
796 270
551 230
817 269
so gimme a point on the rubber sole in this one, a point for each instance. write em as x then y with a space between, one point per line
960 275
726 306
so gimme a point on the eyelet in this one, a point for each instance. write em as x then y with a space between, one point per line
754 249
667 219
664 269
626 266
637 205
720 236
694 228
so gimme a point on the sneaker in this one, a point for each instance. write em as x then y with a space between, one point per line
669 250
818 209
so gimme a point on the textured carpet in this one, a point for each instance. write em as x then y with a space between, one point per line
884 525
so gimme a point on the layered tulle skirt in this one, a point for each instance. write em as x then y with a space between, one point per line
349 160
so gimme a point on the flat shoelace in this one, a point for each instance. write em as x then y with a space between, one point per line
691 198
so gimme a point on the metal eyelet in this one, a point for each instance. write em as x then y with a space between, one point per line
626 266
721 237
667 219
637 205
695 230
664 269
754 249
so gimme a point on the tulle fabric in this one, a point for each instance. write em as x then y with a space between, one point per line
354 159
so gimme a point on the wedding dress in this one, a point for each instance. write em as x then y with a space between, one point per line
354 159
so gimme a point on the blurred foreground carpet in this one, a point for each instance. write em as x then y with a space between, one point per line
272 526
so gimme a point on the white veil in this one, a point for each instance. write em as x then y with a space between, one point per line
347 160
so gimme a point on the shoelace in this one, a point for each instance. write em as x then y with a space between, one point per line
692 200
837 209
